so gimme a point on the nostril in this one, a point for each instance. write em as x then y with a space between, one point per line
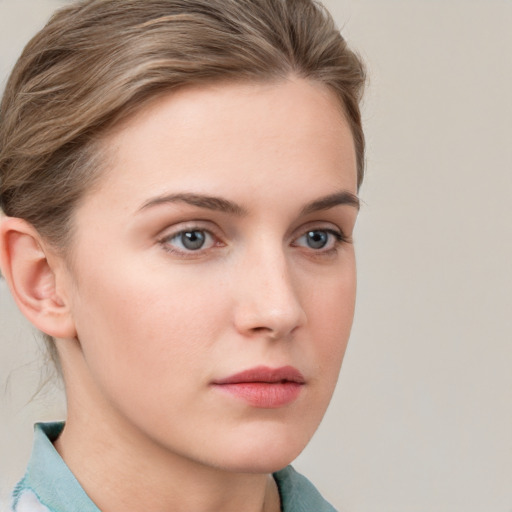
260 329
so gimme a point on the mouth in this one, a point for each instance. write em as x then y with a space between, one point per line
263 387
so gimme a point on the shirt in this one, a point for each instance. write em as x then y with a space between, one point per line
49 485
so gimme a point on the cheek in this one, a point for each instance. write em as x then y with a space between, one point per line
331 312
144 326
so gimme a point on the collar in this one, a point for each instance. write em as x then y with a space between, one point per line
49 479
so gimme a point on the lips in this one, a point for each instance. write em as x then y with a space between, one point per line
264 387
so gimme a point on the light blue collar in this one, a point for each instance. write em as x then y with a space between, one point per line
49 479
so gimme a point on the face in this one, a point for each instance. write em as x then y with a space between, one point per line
212 283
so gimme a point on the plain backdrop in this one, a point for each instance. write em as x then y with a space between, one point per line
422 417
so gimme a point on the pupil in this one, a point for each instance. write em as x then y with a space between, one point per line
193 240
317 239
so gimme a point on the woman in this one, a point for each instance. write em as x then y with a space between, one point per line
179 180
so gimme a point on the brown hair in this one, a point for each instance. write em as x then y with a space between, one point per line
98 61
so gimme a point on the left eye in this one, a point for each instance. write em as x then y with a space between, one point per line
319 239
191 240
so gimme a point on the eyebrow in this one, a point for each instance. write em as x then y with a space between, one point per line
226 206
202 201
325 203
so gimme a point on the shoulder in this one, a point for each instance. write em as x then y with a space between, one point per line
298 494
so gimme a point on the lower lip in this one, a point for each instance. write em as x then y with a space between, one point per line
266 395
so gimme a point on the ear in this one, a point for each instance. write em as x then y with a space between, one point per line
34 273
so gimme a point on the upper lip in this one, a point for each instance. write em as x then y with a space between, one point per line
265 374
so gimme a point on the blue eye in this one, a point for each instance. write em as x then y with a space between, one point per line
191 240
317 239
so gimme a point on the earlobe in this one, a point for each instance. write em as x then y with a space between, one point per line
33 278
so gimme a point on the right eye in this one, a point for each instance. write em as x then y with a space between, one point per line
188 240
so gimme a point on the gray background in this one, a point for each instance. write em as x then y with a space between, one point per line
422 418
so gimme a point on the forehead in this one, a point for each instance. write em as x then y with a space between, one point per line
210 136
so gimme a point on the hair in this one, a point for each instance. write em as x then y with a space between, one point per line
97 62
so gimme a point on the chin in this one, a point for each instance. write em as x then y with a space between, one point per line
264 451
262 463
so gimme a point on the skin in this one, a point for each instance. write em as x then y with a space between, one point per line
148 325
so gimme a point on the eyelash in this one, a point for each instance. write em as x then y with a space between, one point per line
339 239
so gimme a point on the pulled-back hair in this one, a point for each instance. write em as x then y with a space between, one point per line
97 62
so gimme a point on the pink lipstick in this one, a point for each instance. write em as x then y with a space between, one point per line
264 387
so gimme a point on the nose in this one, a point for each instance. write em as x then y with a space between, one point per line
266 296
